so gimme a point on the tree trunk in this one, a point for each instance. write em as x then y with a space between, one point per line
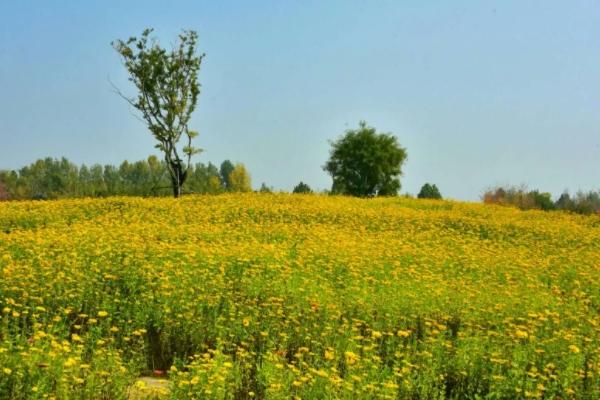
176 186
178 177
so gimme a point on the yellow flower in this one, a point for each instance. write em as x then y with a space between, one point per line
102 314
521 334
574 349
76 338
351 357
70 362
329 354
7 371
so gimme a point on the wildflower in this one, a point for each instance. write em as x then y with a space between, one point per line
351 357
574 349
329 354
521 334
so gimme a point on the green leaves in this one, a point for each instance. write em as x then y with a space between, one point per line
190 151
168 89
365 163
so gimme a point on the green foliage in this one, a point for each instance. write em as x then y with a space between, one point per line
366 163
52 178
582 203
542 201
564 202
587 203
239 179
204 179
302 188
168 89
224 171
429 191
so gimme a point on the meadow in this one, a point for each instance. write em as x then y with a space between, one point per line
253 296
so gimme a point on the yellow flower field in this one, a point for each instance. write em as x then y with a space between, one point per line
287 296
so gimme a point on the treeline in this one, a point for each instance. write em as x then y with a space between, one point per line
51 178
521 197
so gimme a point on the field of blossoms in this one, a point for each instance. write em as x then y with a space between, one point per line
297 297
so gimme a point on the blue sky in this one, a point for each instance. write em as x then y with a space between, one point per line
480 93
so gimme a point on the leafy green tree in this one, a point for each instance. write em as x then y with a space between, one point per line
225 170
564 202
168 89
84 186
429 191
239 179
366 163
302 188
112 180
97 184
202 179
543 201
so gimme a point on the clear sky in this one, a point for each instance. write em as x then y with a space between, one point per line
480 93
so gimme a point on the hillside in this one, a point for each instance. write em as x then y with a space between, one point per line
275 296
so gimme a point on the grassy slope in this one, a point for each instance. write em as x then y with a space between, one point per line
279 295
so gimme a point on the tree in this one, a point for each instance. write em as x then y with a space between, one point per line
265 189
429 191
4 194
205 179
564 202
239 179
543 201
366 163
225 171
302 188
168 89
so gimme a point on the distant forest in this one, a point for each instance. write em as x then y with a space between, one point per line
51 178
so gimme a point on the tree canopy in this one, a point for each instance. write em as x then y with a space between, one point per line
225 170
302 188
50 178
429 191
366 163
239 179
168 89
